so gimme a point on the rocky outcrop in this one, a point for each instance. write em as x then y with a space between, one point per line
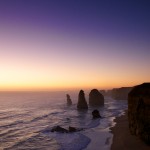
74 129
139 111
63 130
96 114
82 104
96 98
69 102
59 129
120 93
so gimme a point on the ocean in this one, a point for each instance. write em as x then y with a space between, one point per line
26 119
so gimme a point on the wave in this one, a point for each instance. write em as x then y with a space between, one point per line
46 116
8 132
12 124
94 123
70 141
39 141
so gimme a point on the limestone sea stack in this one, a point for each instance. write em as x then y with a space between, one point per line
69 102
139 111
82 104
96 98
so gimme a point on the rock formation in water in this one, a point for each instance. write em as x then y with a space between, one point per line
139 111
69 102
74 129
120 93
63 130
96 98
96 114
59 129
82 104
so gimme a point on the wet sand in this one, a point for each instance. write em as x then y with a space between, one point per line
122 139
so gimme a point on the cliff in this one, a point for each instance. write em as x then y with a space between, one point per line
139 111
120 93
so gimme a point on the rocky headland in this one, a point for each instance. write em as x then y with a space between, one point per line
119 93
139 111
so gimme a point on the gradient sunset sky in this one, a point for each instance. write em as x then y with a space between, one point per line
67 44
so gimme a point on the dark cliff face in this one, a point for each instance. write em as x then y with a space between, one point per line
96 98
139 111
120 93
82 104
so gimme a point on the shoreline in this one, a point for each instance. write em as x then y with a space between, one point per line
122 139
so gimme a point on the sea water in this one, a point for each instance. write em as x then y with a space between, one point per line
26 119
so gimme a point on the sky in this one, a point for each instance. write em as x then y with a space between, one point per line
73 44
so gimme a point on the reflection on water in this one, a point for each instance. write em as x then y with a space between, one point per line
24 117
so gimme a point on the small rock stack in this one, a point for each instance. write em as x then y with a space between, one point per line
69 102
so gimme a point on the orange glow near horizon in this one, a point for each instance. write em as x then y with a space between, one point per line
42 76
42 79
35 60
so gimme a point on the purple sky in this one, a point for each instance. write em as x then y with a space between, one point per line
72 43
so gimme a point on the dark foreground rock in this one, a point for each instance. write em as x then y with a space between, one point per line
63 130
74 129
69 102
96 98
59 129
82 104
139 111
96 114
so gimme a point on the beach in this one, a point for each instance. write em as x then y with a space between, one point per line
122 139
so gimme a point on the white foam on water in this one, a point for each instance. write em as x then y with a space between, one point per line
38 113
71 141
100 140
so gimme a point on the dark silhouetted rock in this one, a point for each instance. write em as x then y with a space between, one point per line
139 111
82 104
72 129
120 93
96 114
96 98
63 130
59 129
69 102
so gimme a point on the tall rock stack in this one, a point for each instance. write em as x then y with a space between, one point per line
82 104
139 111
96 98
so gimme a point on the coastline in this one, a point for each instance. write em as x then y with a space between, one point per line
122 139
